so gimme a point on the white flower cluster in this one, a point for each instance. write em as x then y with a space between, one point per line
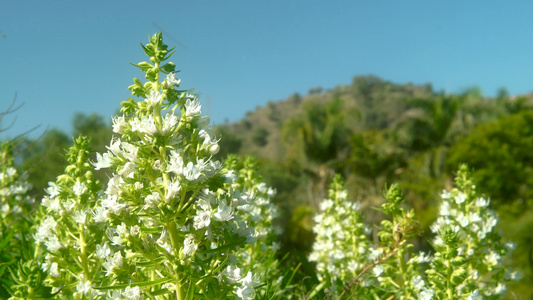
342 244
162 200
475 216
14 199
69 230
466 240
259 212
468 261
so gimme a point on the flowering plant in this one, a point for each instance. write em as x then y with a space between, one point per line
15 222
467 262
171 225
469 255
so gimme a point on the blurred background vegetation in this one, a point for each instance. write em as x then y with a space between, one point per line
374 133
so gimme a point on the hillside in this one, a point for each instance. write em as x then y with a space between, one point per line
372 103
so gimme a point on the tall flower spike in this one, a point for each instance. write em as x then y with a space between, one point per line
169 187
70 232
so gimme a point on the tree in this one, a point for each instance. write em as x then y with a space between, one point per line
375 158
500 155
228 142
260 136
43 159
317 140
94 127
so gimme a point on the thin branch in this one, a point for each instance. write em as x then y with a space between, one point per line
355 282
10 108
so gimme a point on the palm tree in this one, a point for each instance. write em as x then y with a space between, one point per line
317 142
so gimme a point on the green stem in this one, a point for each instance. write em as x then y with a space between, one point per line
174 238
449 272
83 254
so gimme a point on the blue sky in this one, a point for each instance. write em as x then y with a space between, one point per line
61 57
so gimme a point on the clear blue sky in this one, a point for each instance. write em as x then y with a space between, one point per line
61 57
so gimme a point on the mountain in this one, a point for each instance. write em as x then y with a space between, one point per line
372 103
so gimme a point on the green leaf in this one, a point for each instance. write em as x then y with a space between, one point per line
169 67
139 284
144 66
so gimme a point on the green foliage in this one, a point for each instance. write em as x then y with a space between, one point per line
374 156
501 157
319 133
229 142
259 136
43 159
95 128
67 229
15 220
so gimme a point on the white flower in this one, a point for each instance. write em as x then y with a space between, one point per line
132 293
114 236
202 219
154 97
463 220
510 246
173 188
169 121
423 258
83 287
122 230
492 258
152 200
460 198
44 231
130 151
144 125
163 237
378 270
53 270
230 176
114 147
80 217
128 170
113 185
426 294
113 262
225 212
342 195
482 202
171 80
247 291
352 265
193 108
103 251
475 296
191 171
445 209
374 254
78 188
189 245
100 214
500 288
446 195
53 190
102 161
134 230
53 244
175 163
119 124
326 204
233 274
